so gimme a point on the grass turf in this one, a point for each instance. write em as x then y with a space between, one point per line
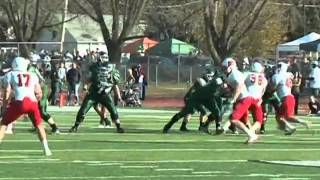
143 152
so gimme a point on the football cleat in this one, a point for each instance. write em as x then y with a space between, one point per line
8 131
204 129
165 129
120 130
47 152
74 129
252 139
219 130
289 132
184 129
55 131
101 126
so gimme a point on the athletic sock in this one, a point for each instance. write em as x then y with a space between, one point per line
45 145
249 132
118 125
183 125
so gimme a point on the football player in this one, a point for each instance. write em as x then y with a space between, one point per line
242 100
282 83
256 84
200 82
104 78
27 90
43 102
208 96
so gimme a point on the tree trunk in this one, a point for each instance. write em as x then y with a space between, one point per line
114 52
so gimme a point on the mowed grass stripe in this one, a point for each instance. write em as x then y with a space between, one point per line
166 150
285 176
172 141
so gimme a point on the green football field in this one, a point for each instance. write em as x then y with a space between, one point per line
143 152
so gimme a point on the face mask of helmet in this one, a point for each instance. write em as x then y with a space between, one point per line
110 67
209 76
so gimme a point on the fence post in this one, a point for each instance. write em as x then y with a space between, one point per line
156 74
125 73
190 75
18 49
178 70
148 70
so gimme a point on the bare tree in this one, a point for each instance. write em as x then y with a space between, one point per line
125 13
176 19
227 22
29 17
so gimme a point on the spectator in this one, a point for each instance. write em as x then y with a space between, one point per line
305 67
54 84
314 78
295 70
314 105
61 77
130 78
77 57
91 57
68 56
141 80
73 78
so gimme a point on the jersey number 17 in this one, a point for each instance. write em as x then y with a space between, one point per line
23 80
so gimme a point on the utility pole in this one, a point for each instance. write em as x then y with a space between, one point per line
304 18
63 30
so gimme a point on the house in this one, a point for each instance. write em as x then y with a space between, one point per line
81 34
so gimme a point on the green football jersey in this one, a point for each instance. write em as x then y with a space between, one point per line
102 80
210 90
36 71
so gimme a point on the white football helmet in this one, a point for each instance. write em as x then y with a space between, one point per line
228 65
282 67
257 67
104 58
20 64
229 62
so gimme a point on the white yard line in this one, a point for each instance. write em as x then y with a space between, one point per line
211 172
137 167
174 169
167 161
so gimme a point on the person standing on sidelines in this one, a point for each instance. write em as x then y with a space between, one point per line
27 90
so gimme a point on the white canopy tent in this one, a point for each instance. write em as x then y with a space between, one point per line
293 46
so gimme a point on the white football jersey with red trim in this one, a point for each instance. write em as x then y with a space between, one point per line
22 83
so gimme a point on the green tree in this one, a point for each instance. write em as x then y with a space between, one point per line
262 40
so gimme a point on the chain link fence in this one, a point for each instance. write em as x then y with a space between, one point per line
178 70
